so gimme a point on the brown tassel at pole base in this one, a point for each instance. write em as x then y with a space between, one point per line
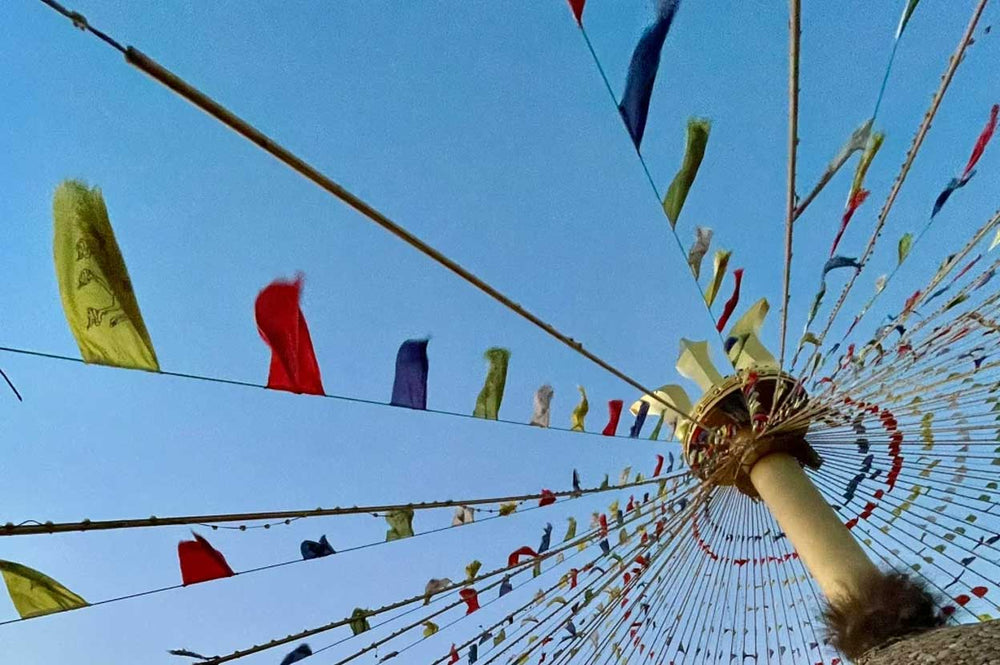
886 606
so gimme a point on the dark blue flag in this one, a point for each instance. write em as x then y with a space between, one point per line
312 550
410 387
640 419
634 106
303 651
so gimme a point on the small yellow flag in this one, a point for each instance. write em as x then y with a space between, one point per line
35 594
97 297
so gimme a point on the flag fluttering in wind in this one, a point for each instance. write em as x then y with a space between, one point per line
283 327
694 152
35 594
634 106
702 240
490 397
94 285
734 300
409 388
400 524
614 414
577 7
543 402
580 412
312 549
970 166
200 562
721 262
300 653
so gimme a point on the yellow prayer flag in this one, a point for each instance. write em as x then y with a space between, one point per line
97 296
35 594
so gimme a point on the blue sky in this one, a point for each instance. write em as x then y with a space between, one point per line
485 129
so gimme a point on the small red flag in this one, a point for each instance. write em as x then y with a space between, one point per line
547 498
471 598
659 465
577 7
200 562
453 656
515 556
734 300
614 414
283 327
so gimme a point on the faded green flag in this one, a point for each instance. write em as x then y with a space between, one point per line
35 594
359 621
904 246
721 262
490 397
97 297
400 524
697 139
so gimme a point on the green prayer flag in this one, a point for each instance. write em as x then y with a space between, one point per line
97 297
429 628
721 262
400 524
488 402
359 621
580 412
875 142
35 594
472 570
697 139
570 530
659 425
904 246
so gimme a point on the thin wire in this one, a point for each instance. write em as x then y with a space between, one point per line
342 398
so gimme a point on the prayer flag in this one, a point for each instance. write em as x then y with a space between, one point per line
614 414
283 327
200 562
634 106
400 524
702 240
301 652
543 401
490 397
734 300
697 140
721 262
580 412
35 594
640 420
94 285
313 550
409 388
577 7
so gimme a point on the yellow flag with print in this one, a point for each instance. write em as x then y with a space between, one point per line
35 594
97 296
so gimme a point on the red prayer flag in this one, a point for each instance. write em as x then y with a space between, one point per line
547 498
659 465
859 197
984 138
283 327
577 7
614 414
453 655
471 598
515 556
979 591
734 300
200 562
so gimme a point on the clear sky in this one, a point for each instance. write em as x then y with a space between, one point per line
484 128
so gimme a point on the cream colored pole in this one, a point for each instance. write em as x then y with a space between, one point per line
826 547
